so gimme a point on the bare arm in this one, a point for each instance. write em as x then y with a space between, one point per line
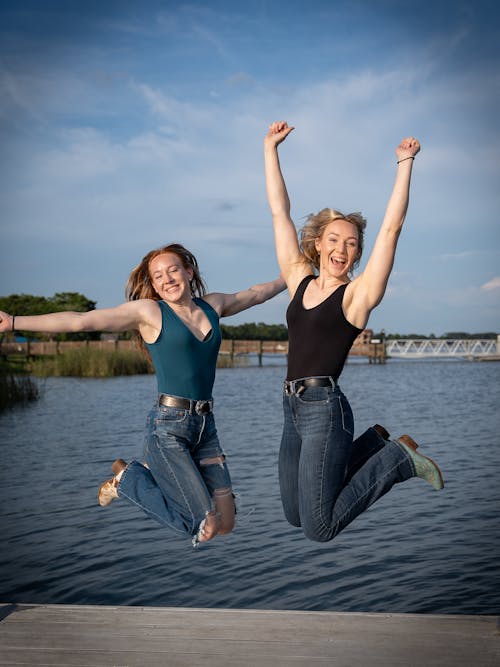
290 259
368 289
127 316
230 304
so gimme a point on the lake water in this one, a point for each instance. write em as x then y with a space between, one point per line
416 550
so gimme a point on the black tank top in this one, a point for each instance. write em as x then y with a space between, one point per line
319 338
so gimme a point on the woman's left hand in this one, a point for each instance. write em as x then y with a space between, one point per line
278 132
408 147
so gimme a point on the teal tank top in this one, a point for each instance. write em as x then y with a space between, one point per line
184 365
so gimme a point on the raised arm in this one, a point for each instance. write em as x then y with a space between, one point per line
230 304
369 288
290 259
127 316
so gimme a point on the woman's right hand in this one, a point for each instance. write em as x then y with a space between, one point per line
5 322
278 132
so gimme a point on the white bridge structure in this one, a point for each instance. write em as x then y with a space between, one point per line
421 348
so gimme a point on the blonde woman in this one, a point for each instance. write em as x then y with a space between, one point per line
326 478
184 483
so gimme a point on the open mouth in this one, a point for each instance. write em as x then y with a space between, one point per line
339 263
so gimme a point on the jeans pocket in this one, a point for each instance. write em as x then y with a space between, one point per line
314 395
166 415
346 414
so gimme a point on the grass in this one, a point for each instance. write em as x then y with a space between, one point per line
84 362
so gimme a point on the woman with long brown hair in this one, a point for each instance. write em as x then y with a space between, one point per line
184 482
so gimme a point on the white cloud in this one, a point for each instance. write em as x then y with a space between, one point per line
491 285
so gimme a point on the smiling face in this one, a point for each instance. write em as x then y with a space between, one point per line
338 248
170 278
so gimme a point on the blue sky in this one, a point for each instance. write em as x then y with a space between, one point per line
128 125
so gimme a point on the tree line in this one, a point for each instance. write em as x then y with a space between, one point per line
254 331
450 335
28 304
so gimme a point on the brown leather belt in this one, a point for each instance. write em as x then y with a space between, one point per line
298 386
194 407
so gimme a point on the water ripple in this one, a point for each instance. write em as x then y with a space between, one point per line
416 550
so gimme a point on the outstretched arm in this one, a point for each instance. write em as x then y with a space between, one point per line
122 318
230 304
290 259
370 286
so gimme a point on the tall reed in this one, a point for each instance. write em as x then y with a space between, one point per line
85 362
16 389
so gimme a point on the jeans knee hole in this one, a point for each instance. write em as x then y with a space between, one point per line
216 460
222 493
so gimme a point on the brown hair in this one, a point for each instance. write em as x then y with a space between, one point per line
140 286
315 226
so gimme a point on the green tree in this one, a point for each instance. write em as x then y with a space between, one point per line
24 304
28 304
254 331
71 301
462 335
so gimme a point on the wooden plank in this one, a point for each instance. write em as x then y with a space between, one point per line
84 635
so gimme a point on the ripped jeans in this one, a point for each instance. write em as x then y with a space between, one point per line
178 486
326 478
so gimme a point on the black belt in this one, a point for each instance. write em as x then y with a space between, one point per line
198 407
298 386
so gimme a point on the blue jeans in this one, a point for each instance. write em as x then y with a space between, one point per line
326 478
177 487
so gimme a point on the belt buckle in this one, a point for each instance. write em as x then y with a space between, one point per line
202 407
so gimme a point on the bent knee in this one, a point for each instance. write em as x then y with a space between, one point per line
318 533
317 537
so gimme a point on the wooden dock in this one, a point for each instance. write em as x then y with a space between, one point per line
182 637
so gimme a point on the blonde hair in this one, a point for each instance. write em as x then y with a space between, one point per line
140 286
315 226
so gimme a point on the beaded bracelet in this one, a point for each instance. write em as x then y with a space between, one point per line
411 157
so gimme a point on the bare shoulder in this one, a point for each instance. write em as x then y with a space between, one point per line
296 275
150 318
140 306
148 305
149 312
216 300
356 290
355 303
